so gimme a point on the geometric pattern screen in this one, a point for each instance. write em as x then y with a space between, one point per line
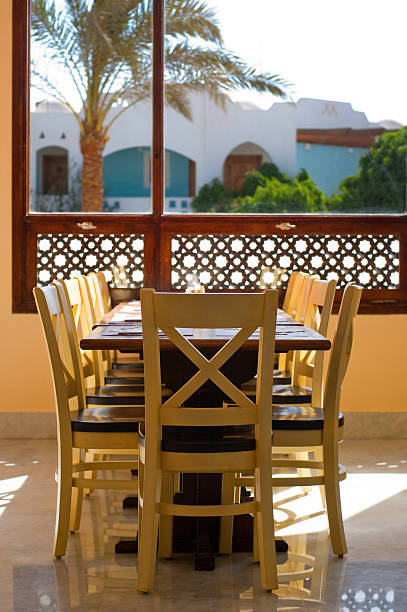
63 255
238 261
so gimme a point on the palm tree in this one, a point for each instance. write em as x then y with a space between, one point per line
103 50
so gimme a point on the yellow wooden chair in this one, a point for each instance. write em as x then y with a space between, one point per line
104 290
97 393
320 428
295 301
134 372
80 426
115 360
294 296
161 457
308 366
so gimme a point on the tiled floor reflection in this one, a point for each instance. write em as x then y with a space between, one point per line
372 577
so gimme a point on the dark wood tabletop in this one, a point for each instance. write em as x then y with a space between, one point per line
121 329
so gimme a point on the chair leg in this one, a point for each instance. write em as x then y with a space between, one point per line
63 502
333 501
139 499
76 509
166 522
147 546
226 522
265 530
76 498
256 551
319 456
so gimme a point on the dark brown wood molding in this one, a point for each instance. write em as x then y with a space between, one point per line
341 137
158 109
21 298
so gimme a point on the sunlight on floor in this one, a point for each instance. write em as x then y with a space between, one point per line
8 486
359 492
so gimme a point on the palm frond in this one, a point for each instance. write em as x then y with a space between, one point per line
220 69
105 48
176 96
192 18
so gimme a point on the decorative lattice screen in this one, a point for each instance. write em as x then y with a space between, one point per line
62 255
236 262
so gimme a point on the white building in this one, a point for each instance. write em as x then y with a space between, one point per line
217 143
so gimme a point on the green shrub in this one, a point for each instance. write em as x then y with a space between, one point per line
213 197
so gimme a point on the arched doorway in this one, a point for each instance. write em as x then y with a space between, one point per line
127 173
52 171
242 160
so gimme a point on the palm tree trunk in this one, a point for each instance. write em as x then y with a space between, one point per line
93 142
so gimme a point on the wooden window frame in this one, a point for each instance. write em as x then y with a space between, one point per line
157 227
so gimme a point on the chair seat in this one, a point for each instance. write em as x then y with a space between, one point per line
128 363
238 438
108 419
280 377
205 439
300 418
123 376
285 394
289 394
121 395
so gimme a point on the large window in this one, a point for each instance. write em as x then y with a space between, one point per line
225 170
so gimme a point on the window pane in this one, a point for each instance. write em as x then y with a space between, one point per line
90 107
323 135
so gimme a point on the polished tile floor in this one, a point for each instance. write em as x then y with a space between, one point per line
372 577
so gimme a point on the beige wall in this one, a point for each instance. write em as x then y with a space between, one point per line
375 380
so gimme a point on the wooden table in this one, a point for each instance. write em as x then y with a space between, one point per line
126 334
121 330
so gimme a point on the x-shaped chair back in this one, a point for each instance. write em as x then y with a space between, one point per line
242 312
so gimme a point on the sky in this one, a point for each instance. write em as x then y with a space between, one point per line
343 50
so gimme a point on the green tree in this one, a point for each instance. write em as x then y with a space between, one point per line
103 48
380 184
213 197
258 177
291 196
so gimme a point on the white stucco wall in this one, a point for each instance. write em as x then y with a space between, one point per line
324 114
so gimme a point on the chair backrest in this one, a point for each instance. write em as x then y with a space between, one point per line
298 291
245 312
303 297
104 288
296 307
120 278
63 351
96 295
290 291
76 294
310 364
340 355
93 295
